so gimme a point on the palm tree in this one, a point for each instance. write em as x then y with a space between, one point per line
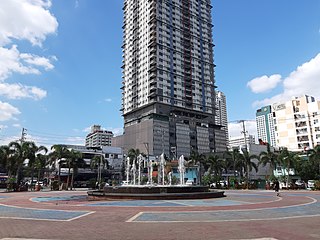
216 166
56 156
200 160
268 157
40 163
96 162
73 160
133 155
21 152
248 164
288 159
234 156
32 156
315 157
6 160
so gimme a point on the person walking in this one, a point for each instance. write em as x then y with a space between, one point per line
277 187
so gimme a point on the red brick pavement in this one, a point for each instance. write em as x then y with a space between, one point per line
110 222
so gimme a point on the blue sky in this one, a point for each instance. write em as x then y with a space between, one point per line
60 62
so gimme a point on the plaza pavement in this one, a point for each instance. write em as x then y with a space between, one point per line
240 215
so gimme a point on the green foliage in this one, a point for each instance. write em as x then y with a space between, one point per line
174 180
207 180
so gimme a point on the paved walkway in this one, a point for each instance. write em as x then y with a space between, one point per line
240 215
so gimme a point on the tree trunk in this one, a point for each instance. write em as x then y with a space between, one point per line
59 177
72 177
68 178
248 176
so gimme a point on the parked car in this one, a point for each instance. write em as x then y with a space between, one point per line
189 182
221 184
125 183
39 183
311 183
300 184
33 182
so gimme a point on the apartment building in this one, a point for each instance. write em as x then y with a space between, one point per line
297 123
98 137
265 125
221 112
168 97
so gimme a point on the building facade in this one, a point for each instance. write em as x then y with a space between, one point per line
221 113
265 125
168 97
240 141
294 124
98 137
297 123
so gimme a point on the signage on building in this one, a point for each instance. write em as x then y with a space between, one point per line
278 107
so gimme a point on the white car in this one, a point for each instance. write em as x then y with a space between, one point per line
125 183
311 183
189 182
39 183
221 184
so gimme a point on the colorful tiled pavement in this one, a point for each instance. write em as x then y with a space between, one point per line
240 215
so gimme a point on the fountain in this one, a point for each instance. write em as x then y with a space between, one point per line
181 169
162 190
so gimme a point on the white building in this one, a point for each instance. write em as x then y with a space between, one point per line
297 123
113 155
98 137
265 125
221 112
240 141
168 98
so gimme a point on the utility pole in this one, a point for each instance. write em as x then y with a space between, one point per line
244 132
23 134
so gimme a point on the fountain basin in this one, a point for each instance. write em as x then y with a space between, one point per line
154 193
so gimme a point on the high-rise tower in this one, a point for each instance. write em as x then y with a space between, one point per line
221 112
168 99
265 125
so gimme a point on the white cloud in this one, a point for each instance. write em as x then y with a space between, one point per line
75 140
76 4
7 111
236 129
16 125
303 81
87 129
37 61
26 20
12 61
108 100
264 83
3 127
18 91
31 21
116 131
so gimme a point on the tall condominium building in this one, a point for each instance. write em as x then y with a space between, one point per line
265 125
98 137
297 123
168 100
221 112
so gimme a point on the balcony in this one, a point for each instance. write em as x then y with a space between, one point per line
301 124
